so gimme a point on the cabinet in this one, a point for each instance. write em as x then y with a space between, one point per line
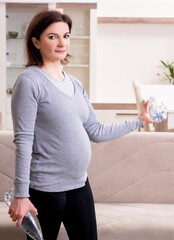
16 17
83 42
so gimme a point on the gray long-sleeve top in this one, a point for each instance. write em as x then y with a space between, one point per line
52 134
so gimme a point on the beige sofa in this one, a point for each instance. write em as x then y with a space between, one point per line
1 125
133 185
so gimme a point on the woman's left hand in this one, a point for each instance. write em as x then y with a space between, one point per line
145 114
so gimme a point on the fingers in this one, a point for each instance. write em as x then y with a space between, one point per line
19 222
146 103
16 218
35 211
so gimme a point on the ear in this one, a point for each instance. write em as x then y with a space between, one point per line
36 42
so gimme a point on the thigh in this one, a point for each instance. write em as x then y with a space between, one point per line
79 219
50 208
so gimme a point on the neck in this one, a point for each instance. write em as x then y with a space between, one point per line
54 71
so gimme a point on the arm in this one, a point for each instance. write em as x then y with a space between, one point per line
24 110
99 132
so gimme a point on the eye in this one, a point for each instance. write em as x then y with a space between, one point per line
52 37
67 36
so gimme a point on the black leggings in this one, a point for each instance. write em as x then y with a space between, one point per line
75 208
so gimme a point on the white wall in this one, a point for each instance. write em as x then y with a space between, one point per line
134 8
127 52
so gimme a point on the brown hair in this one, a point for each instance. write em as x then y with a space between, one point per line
37 25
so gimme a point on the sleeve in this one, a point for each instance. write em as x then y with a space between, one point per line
99 132
24 106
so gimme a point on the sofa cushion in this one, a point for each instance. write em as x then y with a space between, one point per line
115 221
135 221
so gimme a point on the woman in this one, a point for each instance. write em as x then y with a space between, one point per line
54 123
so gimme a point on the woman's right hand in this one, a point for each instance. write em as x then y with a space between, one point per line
19 208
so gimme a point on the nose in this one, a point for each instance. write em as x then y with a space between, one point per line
61 42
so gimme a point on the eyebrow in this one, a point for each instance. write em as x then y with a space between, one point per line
58 34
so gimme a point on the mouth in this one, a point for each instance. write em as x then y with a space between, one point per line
61 51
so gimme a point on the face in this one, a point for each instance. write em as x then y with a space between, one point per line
54 42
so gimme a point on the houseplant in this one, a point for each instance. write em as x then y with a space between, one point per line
168 70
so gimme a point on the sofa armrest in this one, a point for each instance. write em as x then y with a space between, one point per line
7 162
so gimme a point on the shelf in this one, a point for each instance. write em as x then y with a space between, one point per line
83 6
26 5
17 38
16 66
135 20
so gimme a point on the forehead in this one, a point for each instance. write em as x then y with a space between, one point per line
58 27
